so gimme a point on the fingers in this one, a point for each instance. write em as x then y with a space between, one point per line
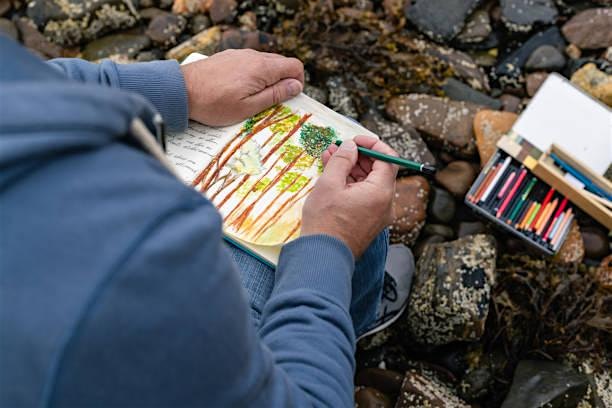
272 95
275 69
340 164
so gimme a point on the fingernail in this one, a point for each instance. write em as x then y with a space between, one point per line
294 88
348 145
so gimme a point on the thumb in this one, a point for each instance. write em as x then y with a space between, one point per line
274 94
341 163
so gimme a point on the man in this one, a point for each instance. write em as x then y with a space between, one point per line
115 286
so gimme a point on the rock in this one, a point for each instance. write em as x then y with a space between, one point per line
340 98
590 29
165 29
150 13
316 93
440 20
205 42
596 242
222 11
466 228
405 140
386 381
595 82
150 55
5 7
477 28
438 229
190 6
8 28
234 38
509 71
489 127
545 383
572 249
445 123
510 103
409 209
199 23
573 51
457 177
42 11
128 45
423 389
449 300
458 91
545 58
368 397
522 15
603 274
442 207
248 21
534 81
420 246
33 39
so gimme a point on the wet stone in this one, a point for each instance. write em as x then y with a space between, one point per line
545 383
128 45
442 207
596 242
409 209
165 29
451 290
387 381
458 91
522 15
545 58
590 29
8 28
595 82
440 20
445 123
457 177
340 98
477 28
534 81
423 389
489 127
367 397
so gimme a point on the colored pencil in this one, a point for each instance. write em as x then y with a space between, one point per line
563 231
523 221
588 184
483 185
517 196
511 193
506 184
523 199
546 218
496 179
553 228
557 214
537 223
560 229
521 214
547 199
532 216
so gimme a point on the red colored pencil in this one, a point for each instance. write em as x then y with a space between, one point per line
506 184
511 193
542 208
485 183
557 214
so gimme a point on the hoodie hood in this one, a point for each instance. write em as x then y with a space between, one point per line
42 114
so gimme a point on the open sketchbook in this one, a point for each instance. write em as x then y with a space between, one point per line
259 172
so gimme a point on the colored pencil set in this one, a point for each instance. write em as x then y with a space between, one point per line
509 193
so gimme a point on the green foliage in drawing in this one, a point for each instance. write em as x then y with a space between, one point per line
316 139
290 151
261 184
285 125
293 180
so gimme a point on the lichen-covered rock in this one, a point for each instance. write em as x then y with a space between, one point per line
164 29
489 127
450 296
440 20
33 39
590 29
409 209
572 249
546 58
205 42
477 28
423 389
603 274
522 15
339 98
595 82
445 123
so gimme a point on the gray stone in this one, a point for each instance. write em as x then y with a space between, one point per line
199 23
316 93
442 206
590 29
477 28
459 91
470 228
545 383
440 20
438 229
128 45
449 300
457 177
522 15
8 28
546 58
340 98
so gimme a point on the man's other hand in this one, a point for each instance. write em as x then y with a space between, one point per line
234 84
352 199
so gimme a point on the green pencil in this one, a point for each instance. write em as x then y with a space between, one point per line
520 203
409 164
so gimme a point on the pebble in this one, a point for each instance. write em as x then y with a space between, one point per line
545 58
205 42
339 98
522 15
445 123
33 39
368 397
440 20
510 103
489 127
150 13
190 6
423 389
199 23
459 91
222 11
595 82
534 81
466 228
572 250
405 140
442 206
234 38
150 55
451 290
573 51
409 209
539 383
164 29
438 229
7 27
457 177
590 29
386 381
127 45
477 28
596 242
603 274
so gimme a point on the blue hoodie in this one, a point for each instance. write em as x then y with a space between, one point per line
115 287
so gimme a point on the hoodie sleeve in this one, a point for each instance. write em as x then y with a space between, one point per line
170 327
161 82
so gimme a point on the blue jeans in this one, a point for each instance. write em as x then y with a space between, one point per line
258 280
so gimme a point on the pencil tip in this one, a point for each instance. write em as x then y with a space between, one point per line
430 170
